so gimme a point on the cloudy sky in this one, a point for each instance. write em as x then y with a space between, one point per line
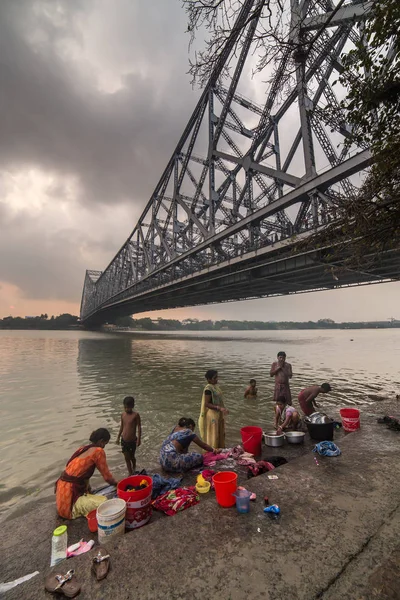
94 96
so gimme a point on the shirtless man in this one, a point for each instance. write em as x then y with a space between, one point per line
308 395
282 371
130 423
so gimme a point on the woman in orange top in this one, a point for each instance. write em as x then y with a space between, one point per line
72 489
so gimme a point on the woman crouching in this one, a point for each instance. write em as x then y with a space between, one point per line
174 455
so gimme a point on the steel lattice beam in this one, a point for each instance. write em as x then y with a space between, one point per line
241 181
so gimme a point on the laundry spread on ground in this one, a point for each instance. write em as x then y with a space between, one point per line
162 484
176 500
327 449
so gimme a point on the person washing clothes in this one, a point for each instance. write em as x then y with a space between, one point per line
73 493
174 455
130 433
286 416
308 395
251 390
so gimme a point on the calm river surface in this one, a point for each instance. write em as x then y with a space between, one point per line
56 387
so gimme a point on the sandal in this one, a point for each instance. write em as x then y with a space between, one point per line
66 585
101 564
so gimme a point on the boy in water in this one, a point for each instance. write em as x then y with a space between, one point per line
129 433
308 395
251 390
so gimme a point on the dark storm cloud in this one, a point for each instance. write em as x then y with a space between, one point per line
55 118
93 92
42 262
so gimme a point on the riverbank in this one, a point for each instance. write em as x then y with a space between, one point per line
338 536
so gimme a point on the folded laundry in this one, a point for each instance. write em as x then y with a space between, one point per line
176 500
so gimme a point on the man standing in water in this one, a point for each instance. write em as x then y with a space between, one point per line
282 371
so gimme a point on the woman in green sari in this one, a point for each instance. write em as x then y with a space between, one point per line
212 412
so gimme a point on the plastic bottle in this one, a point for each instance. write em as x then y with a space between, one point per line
59 545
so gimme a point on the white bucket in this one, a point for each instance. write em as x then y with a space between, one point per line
111 519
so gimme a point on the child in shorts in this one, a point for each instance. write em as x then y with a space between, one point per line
130 433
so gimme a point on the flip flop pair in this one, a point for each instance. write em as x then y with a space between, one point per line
67 585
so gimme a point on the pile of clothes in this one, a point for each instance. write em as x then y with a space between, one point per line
391 422
176 500
244 459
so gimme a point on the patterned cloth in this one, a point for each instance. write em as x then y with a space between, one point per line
79 470
173 461
258 468
176 500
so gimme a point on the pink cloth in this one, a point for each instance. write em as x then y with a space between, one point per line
259 467
236 452
246 461
208 475
209 458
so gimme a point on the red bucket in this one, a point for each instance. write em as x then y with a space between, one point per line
252 438
225 484
138 503
350 418
92 520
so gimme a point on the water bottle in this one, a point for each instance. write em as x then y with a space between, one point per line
59 545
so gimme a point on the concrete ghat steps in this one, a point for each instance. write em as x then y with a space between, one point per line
340 520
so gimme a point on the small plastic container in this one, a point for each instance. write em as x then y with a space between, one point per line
59 545
242 501
203 489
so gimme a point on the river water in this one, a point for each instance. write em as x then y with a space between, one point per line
56 387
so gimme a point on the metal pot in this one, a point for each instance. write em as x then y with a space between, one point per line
318 418
295 437
274 440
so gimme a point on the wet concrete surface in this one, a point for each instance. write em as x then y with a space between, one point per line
337 538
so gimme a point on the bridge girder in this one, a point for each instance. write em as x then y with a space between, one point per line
243 176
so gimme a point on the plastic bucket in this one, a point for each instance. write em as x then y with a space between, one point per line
92 520
138 504
252 438
225 484
111 519
350 418
321 432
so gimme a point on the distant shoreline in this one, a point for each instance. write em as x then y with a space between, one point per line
71 322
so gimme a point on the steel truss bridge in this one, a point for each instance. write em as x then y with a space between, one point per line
248 181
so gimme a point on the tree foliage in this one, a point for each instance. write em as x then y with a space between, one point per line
371 78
